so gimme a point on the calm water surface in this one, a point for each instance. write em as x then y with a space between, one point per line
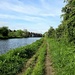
8 44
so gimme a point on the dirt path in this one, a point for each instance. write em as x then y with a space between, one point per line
48 64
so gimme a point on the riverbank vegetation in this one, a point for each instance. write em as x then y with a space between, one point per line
62 56
7 33
62 42
61 49
13 61
66 30
37 65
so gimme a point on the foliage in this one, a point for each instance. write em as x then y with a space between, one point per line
40 65
30 67
63 57
51 32
37 64
62 49
12 62
66 30
69 20
18 34
4 32
7 33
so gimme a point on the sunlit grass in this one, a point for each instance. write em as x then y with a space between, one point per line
63 57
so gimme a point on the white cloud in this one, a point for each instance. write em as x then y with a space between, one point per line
40 15
25 18
19 7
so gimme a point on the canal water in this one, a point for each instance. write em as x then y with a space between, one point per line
9 44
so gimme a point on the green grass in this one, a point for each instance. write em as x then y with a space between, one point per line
13 61
30 68
31 65
61 54
40 65
63 57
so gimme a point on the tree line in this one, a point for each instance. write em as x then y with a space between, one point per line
66 30
7 33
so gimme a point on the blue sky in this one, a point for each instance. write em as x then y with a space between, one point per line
33 15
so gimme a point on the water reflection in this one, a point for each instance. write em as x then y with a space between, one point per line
3 46
8 44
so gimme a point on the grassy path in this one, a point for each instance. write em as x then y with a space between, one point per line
29 66
40 63
48 63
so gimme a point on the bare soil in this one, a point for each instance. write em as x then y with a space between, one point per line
48 64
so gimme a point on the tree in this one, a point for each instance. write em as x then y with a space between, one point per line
51 32
26 33
59 31
19 33
4 31
69 20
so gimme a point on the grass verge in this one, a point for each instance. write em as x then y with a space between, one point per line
63 57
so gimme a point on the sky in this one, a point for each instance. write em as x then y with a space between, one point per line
33 15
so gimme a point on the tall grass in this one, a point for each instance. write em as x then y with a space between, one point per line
63 57
40 65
